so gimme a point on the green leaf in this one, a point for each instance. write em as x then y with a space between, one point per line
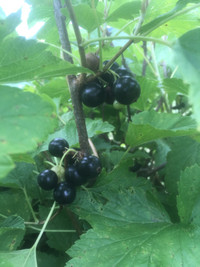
157 244
108 202
11 233
150 125
94 127
187 56
87 17
9 24
185 152
6 165
188 189
24 60
13 202
61 222
25 258
149 92
175 86
56 88
163 18
26 119
22 177
129 225
121 10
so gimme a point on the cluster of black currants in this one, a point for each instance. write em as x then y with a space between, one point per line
116 84
63 181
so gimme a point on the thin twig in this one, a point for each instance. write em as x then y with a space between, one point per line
144 65
137 28
79 114
63 35
129 113
77 32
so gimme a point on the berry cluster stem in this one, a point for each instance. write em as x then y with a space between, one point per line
74 85
79 114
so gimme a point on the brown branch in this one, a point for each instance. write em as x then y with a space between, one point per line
63 35
75 89
144 65
74 84
77 32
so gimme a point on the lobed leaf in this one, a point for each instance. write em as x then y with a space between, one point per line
11 233
188 192
25 60
150 125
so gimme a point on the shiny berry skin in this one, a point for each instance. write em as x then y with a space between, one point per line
108 77
89 167
57 147
73 177
64 193
114 66
47 180
93 94
126 90
124 72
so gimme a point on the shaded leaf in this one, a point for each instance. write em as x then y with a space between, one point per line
9 24
25 258
158 244
6 165
150 125
13 202
11 233
187 56
24 60
28 116
188 192
121 10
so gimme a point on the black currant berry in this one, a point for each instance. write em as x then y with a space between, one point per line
89 167
109 95
124 72
108 77
57 146
73 177
93 94
47 180
114 66
64 193
126 90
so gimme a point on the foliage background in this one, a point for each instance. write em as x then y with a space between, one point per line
143 209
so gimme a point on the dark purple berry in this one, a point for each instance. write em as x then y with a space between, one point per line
89 167
109 95
57 147
126 90
114 66
73 177
93 94
47 180
124 72
64 193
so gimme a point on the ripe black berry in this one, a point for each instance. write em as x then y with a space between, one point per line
73 177
109 95
126 90
114 66
64 193
108 77
93 94
124 72
47 180
89 167
57 146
